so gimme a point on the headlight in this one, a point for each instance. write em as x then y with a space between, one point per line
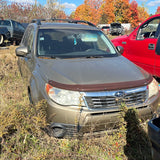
153 88
64 97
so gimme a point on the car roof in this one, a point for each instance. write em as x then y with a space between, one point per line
106 27
115 23
64 24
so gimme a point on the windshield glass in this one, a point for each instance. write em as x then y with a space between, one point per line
5 23
116 25
69 43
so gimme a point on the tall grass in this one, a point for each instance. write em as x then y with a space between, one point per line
22 134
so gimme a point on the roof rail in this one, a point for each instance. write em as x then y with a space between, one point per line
81 21
38 21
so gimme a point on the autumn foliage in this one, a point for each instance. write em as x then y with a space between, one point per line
95 11
107 11
158 10
25 12
134 13
142 13
122 11
89 11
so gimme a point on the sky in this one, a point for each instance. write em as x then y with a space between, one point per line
71 5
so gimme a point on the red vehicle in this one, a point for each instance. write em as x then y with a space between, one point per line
140 45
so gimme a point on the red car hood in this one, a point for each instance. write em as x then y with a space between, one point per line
119 38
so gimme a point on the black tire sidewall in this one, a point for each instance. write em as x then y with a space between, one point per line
1 39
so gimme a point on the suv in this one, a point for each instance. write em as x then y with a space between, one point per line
82 76
116 28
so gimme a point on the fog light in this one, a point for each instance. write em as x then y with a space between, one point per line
58 131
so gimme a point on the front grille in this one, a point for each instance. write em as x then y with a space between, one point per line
129 99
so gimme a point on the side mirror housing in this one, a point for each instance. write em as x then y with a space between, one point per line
21 51
120 49
158 46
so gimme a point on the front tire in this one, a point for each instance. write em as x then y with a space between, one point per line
1 39
29 96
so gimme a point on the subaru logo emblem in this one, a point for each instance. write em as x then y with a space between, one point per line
120 94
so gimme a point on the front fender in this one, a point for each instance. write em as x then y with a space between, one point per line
34 88
117 43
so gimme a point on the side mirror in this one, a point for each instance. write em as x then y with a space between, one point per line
21 51
120 49
158 46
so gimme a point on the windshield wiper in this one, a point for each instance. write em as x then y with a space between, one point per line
48 56
94 56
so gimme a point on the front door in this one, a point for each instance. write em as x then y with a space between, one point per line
157 64
141 49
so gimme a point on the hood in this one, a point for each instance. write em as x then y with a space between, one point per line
95 73
119 38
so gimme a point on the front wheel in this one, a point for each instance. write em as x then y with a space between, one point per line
29 96
1 39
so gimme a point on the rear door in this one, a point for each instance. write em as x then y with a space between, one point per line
141 50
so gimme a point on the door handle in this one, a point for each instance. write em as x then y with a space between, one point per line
151 46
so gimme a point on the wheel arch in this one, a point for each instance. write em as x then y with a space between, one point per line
33 91
2 38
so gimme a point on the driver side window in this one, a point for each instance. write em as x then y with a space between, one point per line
149 30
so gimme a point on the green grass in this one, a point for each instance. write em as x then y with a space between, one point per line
22 136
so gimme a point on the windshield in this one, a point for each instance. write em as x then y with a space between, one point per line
69 43
116 25
5 23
